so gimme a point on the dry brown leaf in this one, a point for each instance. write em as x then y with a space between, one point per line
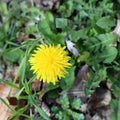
11 73
36 85
77 89
22 37
45 108
5 112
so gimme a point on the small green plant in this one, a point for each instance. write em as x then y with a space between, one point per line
68 109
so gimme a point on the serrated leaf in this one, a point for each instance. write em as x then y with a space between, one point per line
64 101
106 39
55 109
100 42
102 73
59 115
77 116
95 84
108 55
76 35
105 22
76 103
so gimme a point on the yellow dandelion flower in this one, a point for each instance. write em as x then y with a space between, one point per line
49 63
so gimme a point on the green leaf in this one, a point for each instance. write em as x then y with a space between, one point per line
83 57
69 8
78 116
61 22
7 104
64 101
105 22
19 112
102 73
116 106
95 84
13 54
83 14
55 109
98 43
22 70
49 16
59 115
65 83
76 103
27 87
3 8
59 39
31 29
52 94
18 94
106 39
65 116
5 27
50 86
42 113
108 55
95 78
50 36
9 84
66 9
34 11
76 35
116 88
44 27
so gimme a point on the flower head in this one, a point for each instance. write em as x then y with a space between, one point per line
49 63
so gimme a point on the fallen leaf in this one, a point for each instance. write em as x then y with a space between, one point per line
71 47
101 97
22 37
117 29
11 72
5 112
36 85
77 89
46 109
